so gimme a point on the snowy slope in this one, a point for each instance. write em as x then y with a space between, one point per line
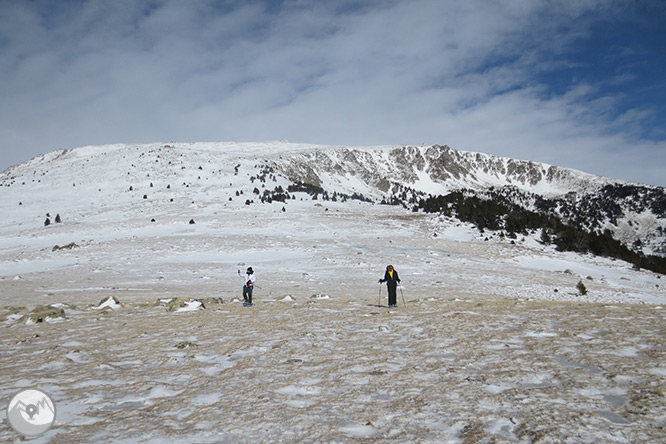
633 214
100 178
122 192
107 195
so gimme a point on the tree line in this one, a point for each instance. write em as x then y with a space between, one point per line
498 215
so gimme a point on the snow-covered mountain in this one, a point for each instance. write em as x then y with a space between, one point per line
634 214
146 175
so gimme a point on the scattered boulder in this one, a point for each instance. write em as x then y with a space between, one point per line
208 302
69 246
181 304
42 313
11 313
109 303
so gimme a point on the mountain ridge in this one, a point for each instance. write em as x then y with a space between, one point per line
634 214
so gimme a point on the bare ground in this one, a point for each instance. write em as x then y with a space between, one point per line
341 370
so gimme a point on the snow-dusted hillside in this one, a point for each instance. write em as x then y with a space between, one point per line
492 341
633 214
125 196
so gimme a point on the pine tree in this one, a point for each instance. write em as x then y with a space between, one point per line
581 288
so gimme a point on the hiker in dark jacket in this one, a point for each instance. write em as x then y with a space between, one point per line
391 278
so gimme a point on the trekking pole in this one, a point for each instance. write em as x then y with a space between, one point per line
379 301
403 297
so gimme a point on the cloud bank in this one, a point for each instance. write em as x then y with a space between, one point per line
502 77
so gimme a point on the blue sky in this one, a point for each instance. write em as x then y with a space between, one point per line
580 84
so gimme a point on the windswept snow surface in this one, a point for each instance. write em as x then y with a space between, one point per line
340 370
494 344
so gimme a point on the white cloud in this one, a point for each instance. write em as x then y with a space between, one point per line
457 73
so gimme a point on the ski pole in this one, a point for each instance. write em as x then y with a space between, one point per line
403 297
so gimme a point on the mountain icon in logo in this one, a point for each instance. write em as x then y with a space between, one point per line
31 412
